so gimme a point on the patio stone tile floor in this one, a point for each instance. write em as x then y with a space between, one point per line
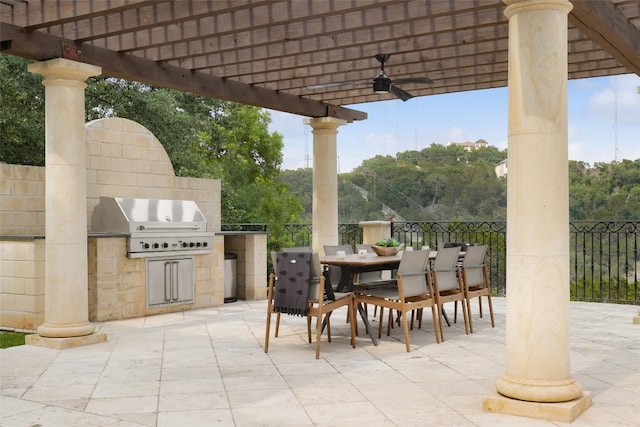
207 367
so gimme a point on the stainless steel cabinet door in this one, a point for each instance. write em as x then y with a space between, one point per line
169 281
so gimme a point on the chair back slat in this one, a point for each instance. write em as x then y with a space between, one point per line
292 288
473 265
474 255
368 276
413 269
333 249
444 267
335 272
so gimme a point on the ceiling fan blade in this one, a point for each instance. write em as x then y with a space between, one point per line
400 93
413 80
330 85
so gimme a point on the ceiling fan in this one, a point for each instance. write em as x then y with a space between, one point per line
381 83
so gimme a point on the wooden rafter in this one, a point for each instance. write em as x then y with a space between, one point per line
610 29
41 47
271 51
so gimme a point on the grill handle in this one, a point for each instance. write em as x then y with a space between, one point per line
169 227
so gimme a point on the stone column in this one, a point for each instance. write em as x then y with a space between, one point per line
537 323
325 181
66 283
374 231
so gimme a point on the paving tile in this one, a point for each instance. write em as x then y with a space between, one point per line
56 392
283 415
11 406
129 389
328 394
254 383
262 398
191 385
199 418
54 416
347 412
208 367
193 401
123 405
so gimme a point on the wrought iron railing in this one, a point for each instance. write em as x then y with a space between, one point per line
244 227
604 255
434 234
605 258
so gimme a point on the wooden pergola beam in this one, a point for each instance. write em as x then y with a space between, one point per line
611 30
40 46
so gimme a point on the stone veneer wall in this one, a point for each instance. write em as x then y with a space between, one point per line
22 284
21 200
116 283
251 264
124 159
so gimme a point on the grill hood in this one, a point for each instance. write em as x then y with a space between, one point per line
131 216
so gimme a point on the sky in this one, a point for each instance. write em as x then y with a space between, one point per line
603 121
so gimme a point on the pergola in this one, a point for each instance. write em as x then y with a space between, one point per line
274 53
269 52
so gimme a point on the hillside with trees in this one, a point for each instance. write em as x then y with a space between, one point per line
448 183
211 138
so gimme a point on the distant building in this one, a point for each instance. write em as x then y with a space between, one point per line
468 145
501 169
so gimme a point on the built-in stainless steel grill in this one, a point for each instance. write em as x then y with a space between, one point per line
155 227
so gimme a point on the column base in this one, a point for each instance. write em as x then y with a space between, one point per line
565 412
65 330
62 343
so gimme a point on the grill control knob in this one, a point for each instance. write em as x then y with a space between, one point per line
185 244
198 244
165 245
156 245
191 244
145 245
205 244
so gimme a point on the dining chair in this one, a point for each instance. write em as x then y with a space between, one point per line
297 288
335 272
414 291
370 279
447 284
270 294
475 277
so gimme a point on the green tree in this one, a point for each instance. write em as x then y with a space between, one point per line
203 137
21 113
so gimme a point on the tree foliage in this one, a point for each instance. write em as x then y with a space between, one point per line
448 183
21 113
203 137
211 138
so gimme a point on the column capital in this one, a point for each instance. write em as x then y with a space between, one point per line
65 69
518 6
325 123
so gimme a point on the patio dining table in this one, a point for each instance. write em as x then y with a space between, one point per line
353 264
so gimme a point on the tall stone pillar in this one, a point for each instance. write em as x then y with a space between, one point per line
66 287
374 231
325 181
537 324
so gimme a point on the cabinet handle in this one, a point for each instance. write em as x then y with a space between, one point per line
167 283
174 283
